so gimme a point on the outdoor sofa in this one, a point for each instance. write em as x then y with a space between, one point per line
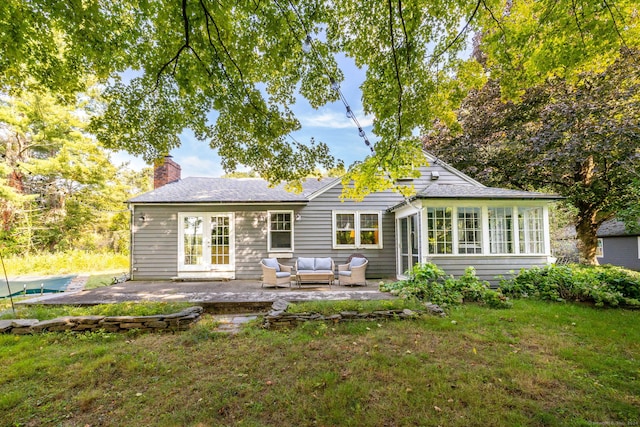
313 270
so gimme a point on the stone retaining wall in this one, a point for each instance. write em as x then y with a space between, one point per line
160 322
279 318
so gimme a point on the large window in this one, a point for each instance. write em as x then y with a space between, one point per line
440 231
280 231
357 229
501 231
469 231
531 230
488 230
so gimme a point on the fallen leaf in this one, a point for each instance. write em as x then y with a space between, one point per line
437 409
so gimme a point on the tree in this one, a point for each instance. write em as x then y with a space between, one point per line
580 140
245 61
60 187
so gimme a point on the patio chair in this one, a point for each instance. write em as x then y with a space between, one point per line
274 273
353 273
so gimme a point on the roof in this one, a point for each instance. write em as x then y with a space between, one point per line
229 190
467 191
461 191
614 228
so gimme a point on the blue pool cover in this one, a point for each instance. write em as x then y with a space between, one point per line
35 286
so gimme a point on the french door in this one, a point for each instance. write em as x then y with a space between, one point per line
408 243
206 245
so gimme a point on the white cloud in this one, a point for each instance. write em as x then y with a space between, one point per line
333 120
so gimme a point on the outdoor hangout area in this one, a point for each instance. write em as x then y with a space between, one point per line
314 271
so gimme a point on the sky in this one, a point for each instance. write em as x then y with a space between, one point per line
329 124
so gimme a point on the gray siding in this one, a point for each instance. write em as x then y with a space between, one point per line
621 251
313 236
155 241
488 267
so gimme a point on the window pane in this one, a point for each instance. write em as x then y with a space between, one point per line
439 230
530 230
280 230
345 237
469 231
369 229
345 229
192 235
501 231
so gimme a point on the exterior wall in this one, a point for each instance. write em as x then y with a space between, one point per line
154 253
314 230
622 251
487 267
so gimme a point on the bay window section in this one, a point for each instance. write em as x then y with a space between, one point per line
531 232
357 229
488 230
501 231
280 231
440 231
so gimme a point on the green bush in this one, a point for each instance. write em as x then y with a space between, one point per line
601 285
427 282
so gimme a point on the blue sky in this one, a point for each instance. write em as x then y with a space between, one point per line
328 124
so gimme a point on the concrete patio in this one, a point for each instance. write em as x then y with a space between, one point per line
233 296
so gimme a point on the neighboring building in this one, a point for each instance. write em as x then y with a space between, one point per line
217 228
617 246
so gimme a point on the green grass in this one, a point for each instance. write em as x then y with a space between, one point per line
71 262
46 312
538 364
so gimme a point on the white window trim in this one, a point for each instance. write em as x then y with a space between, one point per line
485 230
600 246
356 227
285 250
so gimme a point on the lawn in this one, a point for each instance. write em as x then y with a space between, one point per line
537 364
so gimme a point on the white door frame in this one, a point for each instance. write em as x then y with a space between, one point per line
202 263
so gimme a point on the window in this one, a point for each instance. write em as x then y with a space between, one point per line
357 229
489 230
440 234
469 231
501 230
531 230
280 231
600 249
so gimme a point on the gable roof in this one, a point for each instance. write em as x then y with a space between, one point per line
228 190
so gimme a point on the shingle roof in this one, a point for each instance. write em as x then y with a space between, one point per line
228 190
458 191
614 228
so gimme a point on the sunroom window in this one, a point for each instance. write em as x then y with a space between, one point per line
531 230
440 234
469 231
501 231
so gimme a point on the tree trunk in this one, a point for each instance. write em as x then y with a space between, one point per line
586 229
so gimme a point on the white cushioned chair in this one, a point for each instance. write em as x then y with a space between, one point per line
354 272
274 273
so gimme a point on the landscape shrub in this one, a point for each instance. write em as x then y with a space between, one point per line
428 283
601 285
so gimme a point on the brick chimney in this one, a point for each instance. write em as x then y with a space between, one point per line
165 171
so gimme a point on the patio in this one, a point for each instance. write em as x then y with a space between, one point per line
233 296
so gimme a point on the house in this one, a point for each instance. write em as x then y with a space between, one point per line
217 228
618 246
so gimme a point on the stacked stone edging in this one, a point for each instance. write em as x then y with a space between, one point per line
279 318
159 322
